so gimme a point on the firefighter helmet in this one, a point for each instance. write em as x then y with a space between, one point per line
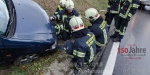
62 3
76 23
91 14
69 5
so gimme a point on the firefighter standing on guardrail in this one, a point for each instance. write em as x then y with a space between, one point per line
128 9
98 27
112 12
65 16
84 48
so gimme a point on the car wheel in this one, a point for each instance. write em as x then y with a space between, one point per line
26 58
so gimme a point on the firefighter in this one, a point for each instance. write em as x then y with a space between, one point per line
61 6
112 11
84 47
128 9
59 25
98 27
65 16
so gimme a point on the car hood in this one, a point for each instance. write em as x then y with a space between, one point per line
32 21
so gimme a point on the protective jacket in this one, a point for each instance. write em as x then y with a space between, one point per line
65 17
59 8
128 8
99 29
114 6
84 48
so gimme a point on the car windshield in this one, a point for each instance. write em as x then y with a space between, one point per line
4 17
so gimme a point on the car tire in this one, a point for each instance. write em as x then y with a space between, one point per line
26 58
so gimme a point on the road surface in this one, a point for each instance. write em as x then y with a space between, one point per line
137 38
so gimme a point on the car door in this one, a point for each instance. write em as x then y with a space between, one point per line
1 50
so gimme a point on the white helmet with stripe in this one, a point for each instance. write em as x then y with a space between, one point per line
62 3
91 14
69 5
76 23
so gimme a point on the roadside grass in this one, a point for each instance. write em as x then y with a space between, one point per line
37 67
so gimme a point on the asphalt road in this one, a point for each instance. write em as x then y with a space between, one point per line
136 39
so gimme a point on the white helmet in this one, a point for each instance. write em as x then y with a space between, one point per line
69 5
91 14
62 3
76 23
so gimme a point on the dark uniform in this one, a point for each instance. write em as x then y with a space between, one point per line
59 8
113 11
128 9
58 26
100 31
83 49
65 17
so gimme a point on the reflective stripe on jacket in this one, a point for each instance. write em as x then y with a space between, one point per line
84 49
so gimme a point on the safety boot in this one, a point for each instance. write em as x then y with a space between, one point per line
116 40
114 35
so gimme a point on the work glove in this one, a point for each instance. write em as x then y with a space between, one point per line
89 27
52 18
61 47
125 22
67 46
106 16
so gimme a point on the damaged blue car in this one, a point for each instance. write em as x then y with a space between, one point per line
25 31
